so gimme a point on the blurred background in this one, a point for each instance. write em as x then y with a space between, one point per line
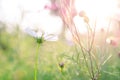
17 48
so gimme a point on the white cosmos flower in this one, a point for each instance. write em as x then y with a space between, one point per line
40 34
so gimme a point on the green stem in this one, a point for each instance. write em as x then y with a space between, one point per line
36 62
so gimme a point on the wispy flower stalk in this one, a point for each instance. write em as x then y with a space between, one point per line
66 10
92 65
68 20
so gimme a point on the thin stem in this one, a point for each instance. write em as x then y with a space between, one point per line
67 18
91 64
90 44
36 62
82 49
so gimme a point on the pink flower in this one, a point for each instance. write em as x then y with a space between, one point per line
63 7
112 41
51 7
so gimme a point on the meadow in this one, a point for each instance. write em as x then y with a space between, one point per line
59 40
57 60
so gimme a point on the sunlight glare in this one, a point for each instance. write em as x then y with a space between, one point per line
34 15
96 7
100 9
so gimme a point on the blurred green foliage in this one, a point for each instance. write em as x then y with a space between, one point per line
17 58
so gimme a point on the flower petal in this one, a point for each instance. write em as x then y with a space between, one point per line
51 37
31 32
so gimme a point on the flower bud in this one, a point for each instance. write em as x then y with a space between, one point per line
86 19
40 40
82 14
61 65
